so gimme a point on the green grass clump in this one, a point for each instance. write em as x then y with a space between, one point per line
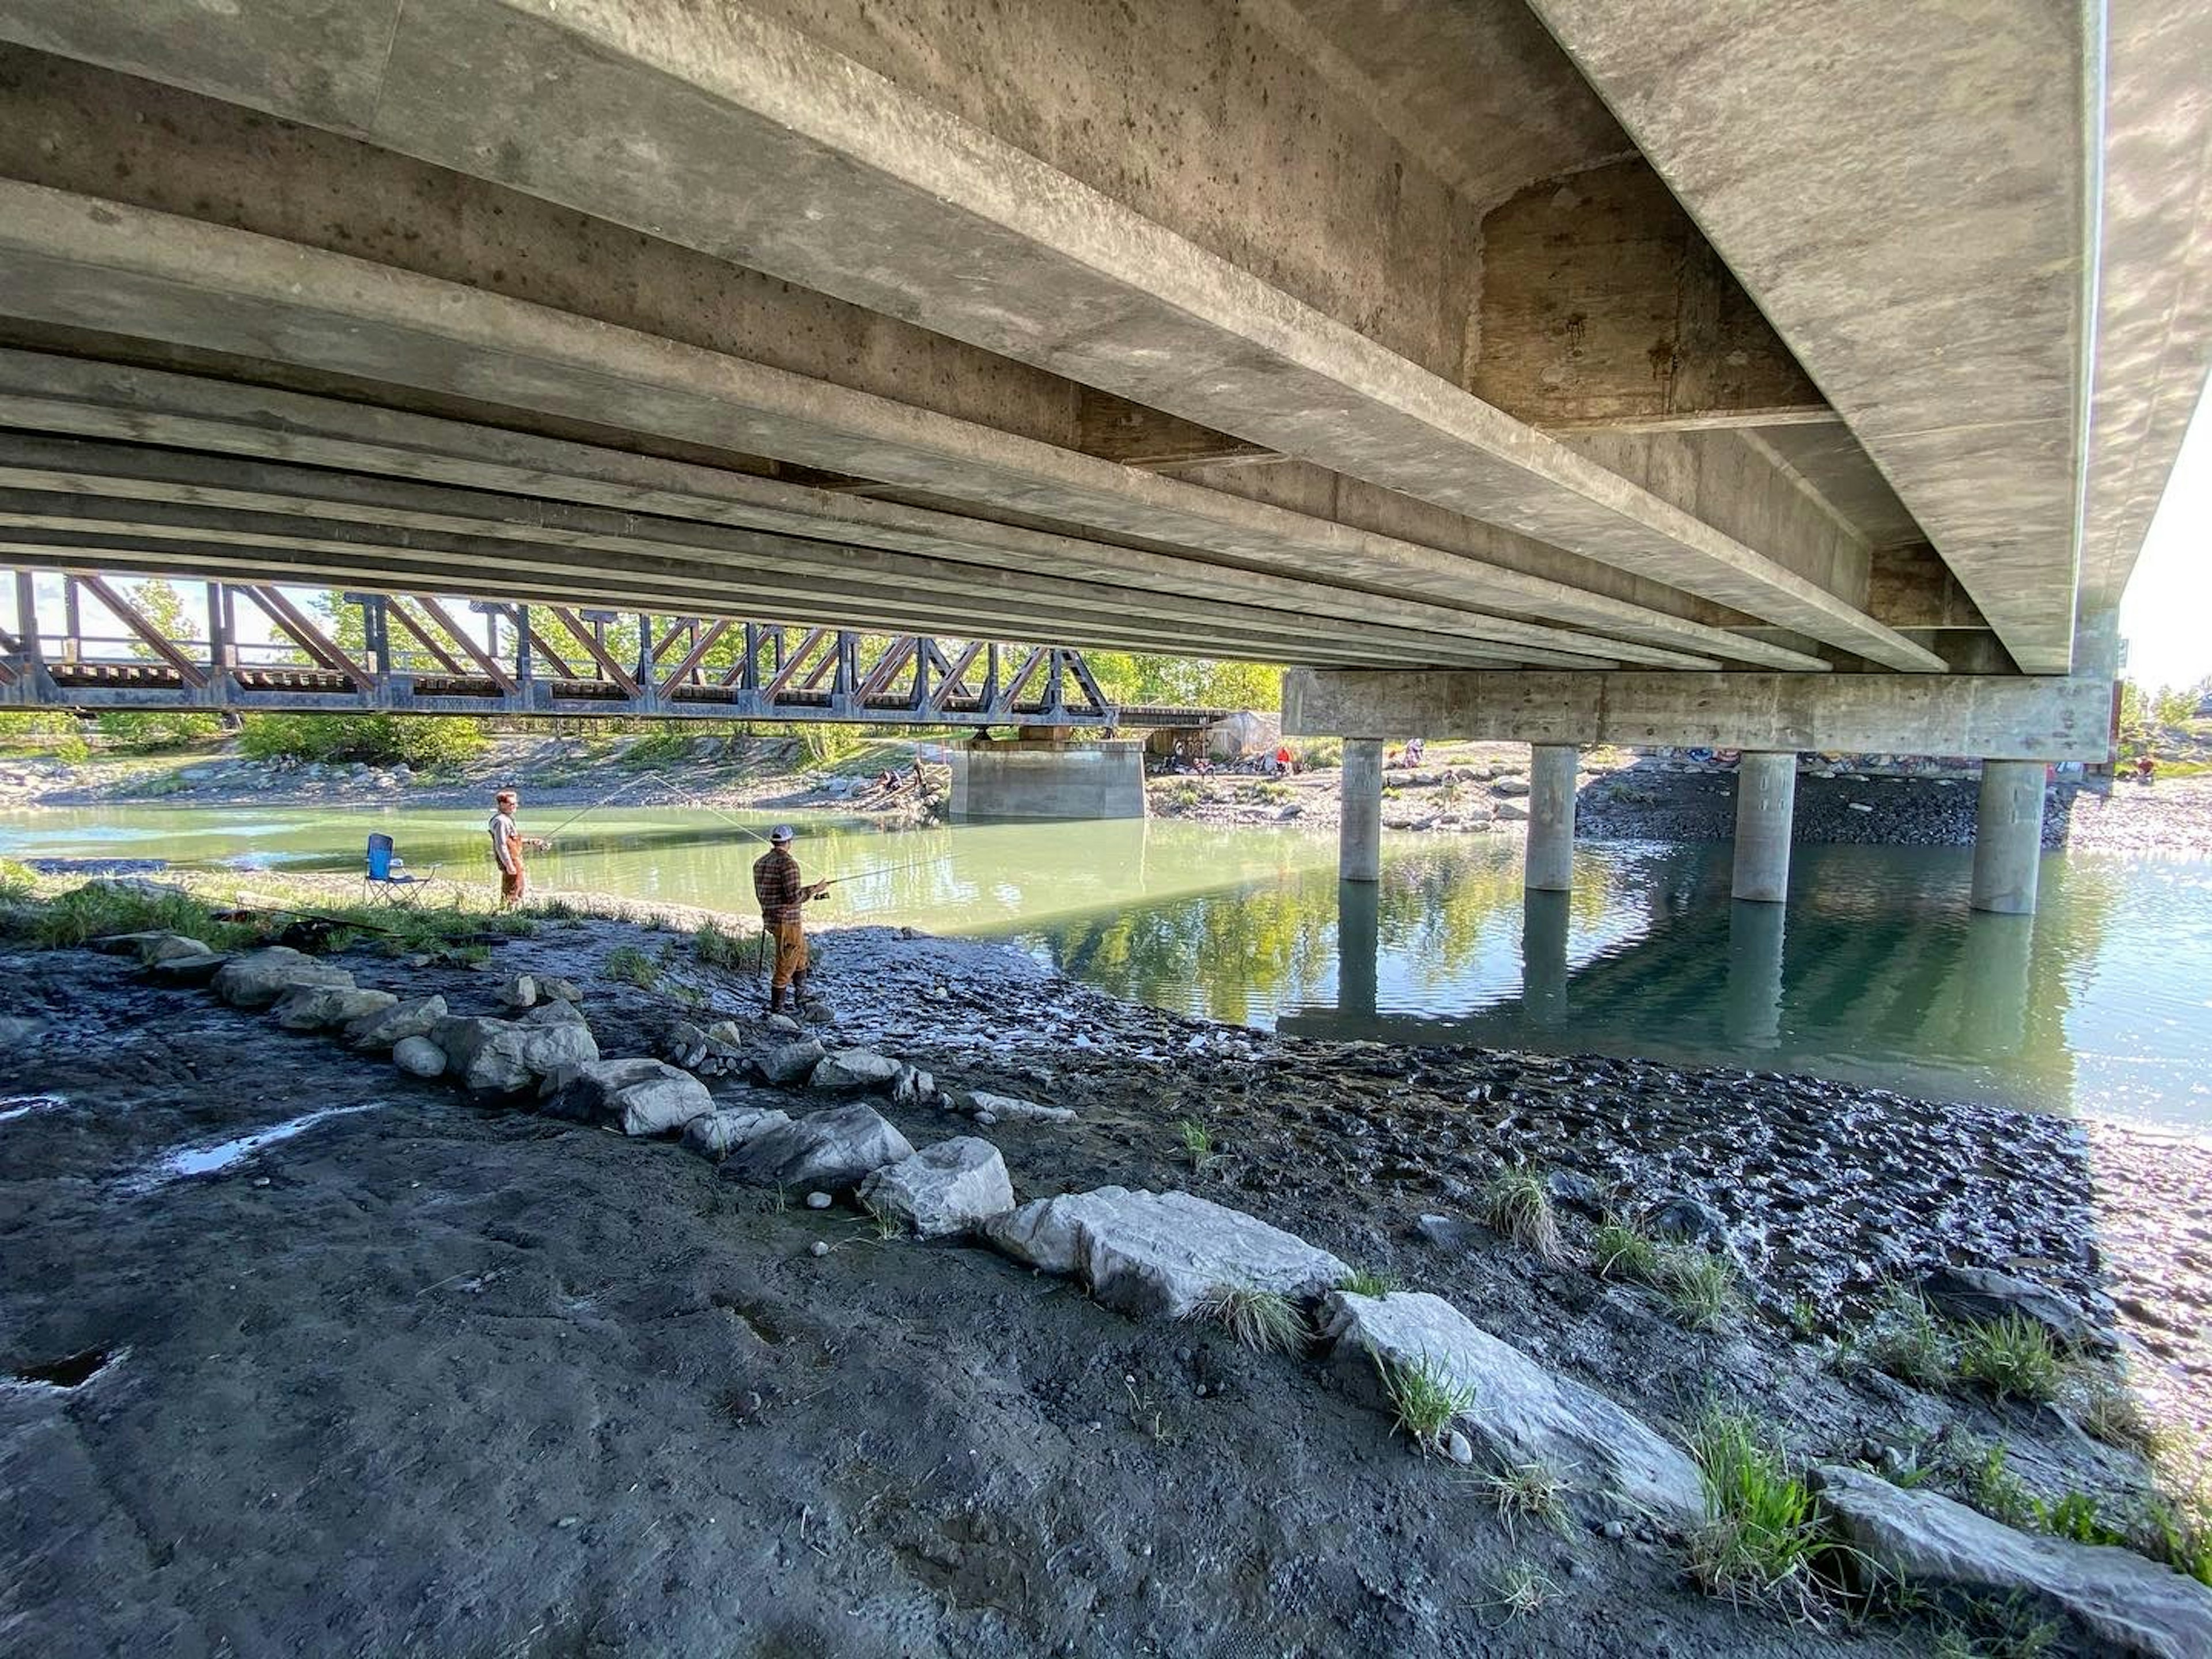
1979 1474
2181 1536
628 965
1762 1543
718 947
1360 1282
2014 1357
1197 1142
1265 1321
1700 1286
1516 1205
2076 1516
1520 1590
17 881
1906 1340
2108 1410
1528 1492
1422 1399
1996 1629
99 909
1623 1251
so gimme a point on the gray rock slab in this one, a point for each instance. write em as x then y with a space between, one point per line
419 1057
944 1190
853 1068
1159 1254
259 977
1518 1411
389 1026
721 1133
1982 1293
2127 1603
187 970
498 1056
1008 1108
327 1007
788 1062
643 1097
521 991
153 946
834 1149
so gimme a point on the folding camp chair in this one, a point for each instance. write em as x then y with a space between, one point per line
386 876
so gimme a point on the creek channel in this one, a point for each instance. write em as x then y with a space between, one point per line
1876 972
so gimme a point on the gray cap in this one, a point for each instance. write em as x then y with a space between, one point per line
781 833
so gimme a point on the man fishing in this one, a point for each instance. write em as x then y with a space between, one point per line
782 895
507 846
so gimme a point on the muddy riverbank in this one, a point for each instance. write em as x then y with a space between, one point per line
443 1376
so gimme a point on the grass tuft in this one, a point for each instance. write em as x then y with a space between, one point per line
1197 1142
1265 1321
1624 1251
718 947
628 965
1516 1205
1762 1543
2109 1411
1424 1399
1699 1286
1528 1492
1360 1282
2014 1357
1907 1339
1520 1590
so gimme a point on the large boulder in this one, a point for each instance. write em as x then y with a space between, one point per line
497 1056
789 1062
327 1007
1160 1254
153 946
1517 1411
830 1151
720 1133
259 977
853 1068
944 1190
644 1096
387 1027
1979 1293
2125 1603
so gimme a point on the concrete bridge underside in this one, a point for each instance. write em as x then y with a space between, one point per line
1545 369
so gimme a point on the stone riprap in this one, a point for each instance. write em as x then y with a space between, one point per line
258 978
1517 1411
788 1062
418 1056
721 1132
327 1007
1160 1254
853 1068
2123 1602
834 1149
387 1027
151 947
944 1190
640 1097
497 1056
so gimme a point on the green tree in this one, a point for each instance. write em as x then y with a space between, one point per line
160 604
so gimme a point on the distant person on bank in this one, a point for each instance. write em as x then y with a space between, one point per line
782 894
508 845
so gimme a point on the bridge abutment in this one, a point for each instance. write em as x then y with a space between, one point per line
1035 778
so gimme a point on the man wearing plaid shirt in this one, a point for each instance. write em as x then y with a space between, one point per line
782 896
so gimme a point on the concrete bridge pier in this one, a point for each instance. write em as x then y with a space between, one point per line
2008 836
1753 1014
1359 831
1551 865
1047 778
1358 944
1544 917
1766 801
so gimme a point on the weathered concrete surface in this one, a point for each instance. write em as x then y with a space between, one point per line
2047 719
1766 802
1359 819
1032 779
1517 1411
818 168
1551 849
1930 169
2126 1603
2008 836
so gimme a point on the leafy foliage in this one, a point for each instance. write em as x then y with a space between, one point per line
158 729
1762 1541
416 741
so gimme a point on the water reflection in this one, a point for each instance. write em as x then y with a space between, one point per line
1874 971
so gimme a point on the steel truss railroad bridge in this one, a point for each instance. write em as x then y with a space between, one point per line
419 658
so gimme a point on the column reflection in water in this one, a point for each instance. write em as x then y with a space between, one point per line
1994 982
1544 956
1752 1017
1359 924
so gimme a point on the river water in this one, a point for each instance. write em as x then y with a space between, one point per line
1876 972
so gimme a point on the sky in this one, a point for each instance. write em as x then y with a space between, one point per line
2166 616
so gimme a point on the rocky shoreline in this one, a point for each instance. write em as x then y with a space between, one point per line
666 1408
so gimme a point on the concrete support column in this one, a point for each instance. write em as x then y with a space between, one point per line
1552 818
1766 798
1752 1011
1544 956
1359 835
2008 838
1358 939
